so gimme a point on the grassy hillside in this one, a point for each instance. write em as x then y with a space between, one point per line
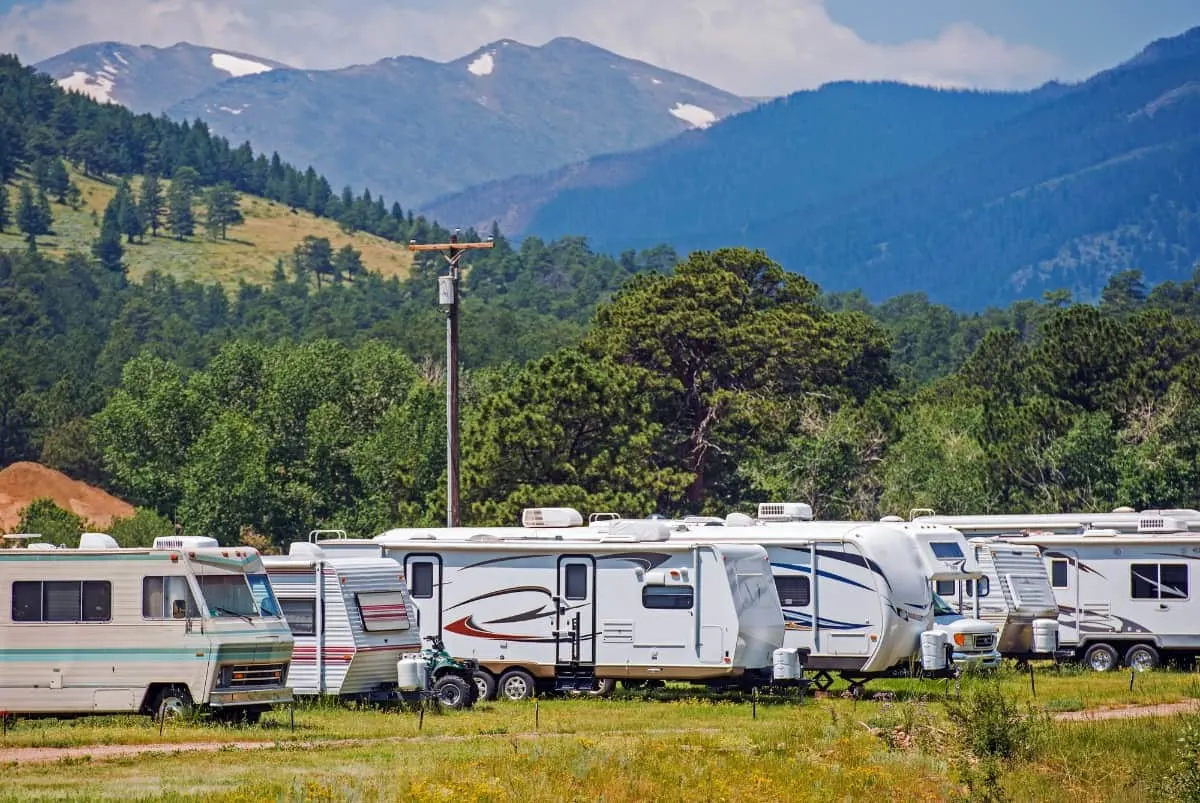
270 231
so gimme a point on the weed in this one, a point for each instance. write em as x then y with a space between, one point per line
1057 704
1182 782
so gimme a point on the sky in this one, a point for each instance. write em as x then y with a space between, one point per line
752 47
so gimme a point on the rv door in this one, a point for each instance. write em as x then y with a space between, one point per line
575 622
423 572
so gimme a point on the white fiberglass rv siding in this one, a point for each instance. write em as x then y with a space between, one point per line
112 652
364 625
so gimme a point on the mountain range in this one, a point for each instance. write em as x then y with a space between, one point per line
408 127
974 198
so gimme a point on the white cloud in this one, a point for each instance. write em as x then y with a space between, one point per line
754 47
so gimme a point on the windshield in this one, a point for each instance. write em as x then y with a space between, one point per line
260 587
940 608
227 595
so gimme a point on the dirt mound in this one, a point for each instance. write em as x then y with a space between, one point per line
21 483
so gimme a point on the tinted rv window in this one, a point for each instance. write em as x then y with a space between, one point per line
1158 581
946 549
944 588
985 586
97 601
420 580
793 591
576 581
674 597
26 601
62 601
301 616
167 598
1058 574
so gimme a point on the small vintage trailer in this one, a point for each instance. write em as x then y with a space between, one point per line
101 629
354 622
552 613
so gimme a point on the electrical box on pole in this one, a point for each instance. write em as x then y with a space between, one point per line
448 300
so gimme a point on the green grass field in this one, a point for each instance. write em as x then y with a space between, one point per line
674 744
270 232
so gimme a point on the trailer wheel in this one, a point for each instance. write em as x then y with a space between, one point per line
485 681
172 702
1100 658
517 684
453 691
604 687
1141 657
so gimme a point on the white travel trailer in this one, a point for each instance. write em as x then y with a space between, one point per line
101 629
555 614
1122 596
1014 594
355 625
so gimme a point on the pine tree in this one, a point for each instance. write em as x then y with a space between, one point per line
348 262
58 180
151 203
128 215
181 220
107 248
5 214
223 210
33 215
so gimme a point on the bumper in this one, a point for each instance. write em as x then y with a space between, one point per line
982 660
228 698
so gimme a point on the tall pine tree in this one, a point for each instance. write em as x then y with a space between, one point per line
107 248
128 215
33 214
223 210
181 219
151 203
5 213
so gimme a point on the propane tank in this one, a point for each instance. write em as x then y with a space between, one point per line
411 674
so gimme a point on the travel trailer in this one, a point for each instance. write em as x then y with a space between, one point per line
1123 597
561 614
1014 594
354 622
100 629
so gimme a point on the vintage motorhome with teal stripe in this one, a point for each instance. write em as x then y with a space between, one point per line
101 629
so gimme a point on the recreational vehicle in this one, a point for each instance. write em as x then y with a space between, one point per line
561 614
1121 596
354 623
101 629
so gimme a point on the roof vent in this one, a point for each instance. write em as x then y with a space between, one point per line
304 549
41 546
739 520
1099 531
98 541
551 517
185 542
1124 510
893 519
785 511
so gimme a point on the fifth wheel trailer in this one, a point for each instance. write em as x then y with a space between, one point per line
562 614
101 629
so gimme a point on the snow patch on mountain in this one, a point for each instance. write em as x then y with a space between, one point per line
99 87
237 67
483 65
117 55
697 116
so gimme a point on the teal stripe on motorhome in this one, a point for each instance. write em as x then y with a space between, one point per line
69 555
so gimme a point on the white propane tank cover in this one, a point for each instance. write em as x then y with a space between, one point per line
933 650
185 542
98 541
1045 635
786 664
411 673
305 549
551 517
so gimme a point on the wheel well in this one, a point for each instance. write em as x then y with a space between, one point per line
154 689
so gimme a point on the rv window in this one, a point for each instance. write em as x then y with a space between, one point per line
946 549
1058 574
1158 581
167 598
793 591
97 601
985 586
227 595
944 588
301 616
264 595
420 580
382 610
26 601
673 597
576 581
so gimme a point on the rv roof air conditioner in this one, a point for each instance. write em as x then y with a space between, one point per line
551 517
635 530
185 542
304 549
739 520
98 541
1160 524
785 511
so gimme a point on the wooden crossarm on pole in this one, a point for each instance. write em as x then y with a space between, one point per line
446 246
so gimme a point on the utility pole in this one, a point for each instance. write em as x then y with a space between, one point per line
448 300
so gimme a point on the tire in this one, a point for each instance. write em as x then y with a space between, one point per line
238 716
1100 658
454 691
604 687
172 702
485 682
516 684
1141 657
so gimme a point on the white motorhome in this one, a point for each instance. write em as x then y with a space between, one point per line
556 613
101 629
1122 596
1014 594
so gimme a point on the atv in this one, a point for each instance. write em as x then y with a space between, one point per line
452 678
